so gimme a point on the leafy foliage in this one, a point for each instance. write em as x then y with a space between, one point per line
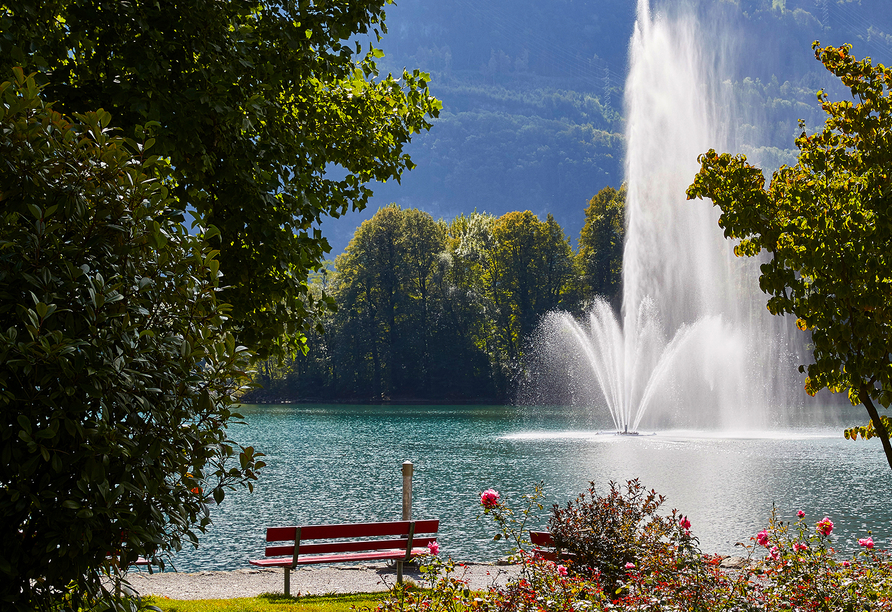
255 103
117 374
803 573
443 589
611 532
433 310
825 223
385 277
600 257
526 274
798 571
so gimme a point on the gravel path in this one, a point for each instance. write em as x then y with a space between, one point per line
319 580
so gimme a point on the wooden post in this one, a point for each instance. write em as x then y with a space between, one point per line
407 508
407 490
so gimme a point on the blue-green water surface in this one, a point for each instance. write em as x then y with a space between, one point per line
336 463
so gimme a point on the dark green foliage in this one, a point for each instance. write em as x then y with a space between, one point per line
526 272
385 283
116 372
600 257
605 532
256 103
430 311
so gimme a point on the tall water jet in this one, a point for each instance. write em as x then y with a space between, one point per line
695 346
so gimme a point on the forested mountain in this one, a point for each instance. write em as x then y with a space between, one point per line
533 93
438 294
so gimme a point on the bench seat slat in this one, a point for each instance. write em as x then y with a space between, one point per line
339 558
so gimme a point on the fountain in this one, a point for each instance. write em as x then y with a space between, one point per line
695 346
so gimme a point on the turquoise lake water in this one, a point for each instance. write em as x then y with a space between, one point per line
330 464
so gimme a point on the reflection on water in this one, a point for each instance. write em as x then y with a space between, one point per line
331 464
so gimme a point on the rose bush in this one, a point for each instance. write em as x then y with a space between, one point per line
789 566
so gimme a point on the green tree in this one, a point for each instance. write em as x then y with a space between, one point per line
826 224
422 242
254 104
436 310
469 241
117 375
600 255
385 286
368 279
527 272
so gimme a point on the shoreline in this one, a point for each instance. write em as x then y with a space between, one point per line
320 579
317 580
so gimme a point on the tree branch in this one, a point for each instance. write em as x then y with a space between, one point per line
878 424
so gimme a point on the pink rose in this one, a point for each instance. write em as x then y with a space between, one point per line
433 547
800 514
762 538
846 564
684 523
798 546
825 526
561 570
489 499
866 542
630 566
774 552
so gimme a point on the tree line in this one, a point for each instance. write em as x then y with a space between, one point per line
430 310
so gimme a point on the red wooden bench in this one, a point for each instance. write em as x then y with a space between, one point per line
397 540
545 548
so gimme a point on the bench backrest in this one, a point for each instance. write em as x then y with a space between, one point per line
541 538
373 536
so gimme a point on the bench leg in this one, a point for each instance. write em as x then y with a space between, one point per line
399 572
287 581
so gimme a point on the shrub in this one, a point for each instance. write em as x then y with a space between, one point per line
801 570
443 589
614 532
116 373
545 586
665 570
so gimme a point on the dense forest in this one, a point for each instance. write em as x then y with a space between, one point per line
532 121
430 310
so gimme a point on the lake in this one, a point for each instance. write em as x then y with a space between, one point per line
337 463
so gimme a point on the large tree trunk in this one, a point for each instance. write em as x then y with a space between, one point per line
878 424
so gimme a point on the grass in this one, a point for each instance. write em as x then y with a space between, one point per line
272 602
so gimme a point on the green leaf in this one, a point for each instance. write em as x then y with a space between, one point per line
24 423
